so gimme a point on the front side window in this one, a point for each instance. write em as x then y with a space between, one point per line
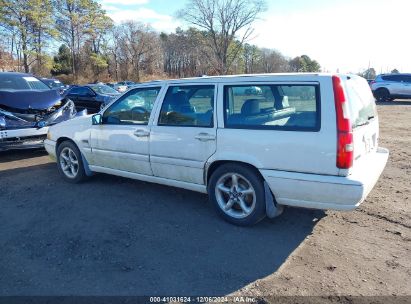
281 107
132 108
188 106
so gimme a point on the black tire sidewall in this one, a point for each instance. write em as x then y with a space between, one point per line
256 181
81 175
382 94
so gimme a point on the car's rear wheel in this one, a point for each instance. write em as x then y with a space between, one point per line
237 193
382 94
70 163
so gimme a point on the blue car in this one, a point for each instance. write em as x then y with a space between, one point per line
92 97
27 108
55 84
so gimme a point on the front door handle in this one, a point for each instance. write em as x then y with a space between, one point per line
141 133
204 137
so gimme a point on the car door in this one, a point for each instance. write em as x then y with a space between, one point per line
395 84
406 86
87 99
184 135
121 141
72 94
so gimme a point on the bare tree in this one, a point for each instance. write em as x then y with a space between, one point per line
138 47
273 61
224 20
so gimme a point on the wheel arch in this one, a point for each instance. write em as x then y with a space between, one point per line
212 166
382 89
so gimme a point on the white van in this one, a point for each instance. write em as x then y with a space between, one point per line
254 143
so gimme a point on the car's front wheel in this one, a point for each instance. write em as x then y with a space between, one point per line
237 192
70 163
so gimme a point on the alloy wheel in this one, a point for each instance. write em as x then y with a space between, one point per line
235 195
69 163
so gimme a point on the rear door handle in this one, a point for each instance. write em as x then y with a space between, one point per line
141 133
204 137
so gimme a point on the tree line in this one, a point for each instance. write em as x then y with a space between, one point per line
76 41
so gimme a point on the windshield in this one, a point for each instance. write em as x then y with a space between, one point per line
361 101
104 89
13 82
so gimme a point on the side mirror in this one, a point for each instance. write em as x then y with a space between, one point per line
97 119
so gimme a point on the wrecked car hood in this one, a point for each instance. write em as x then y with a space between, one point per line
9 120
29 99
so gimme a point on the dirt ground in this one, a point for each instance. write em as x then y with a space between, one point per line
366 252
114 236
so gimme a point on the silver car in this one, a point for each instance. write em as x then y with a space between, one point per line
387 87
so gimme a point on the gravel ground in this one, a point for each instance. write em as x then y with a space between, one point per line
115 236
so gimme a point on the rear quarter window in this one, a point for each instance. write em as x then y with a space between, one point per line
288 107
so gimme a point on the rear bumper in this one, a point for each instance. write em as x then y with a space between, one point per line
327 192
27 138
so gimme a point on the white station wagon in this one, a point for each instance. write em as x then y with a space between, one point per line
254 143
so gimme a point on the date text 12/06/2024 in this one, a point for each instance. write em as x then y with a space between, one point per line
200 299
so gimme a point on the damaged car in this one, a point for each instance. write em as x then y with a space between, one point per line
27 108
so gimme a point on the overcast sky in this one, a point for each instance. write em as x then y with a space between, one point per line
341 34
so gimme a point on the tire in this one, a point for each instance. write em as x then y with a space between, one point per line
237 193
70 163
382 94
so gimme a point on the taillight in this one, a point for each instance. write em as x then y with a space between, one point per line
345 146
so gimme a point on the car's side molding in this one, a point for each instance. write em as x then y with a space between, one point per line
151 179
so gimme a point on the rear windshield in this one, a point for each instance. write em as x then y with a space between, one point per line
361 101
53 83
104 89
21 82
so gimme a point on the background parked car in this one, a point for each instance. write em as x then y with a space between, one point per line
27 107
92 96
119 88
55 84
387 87
128 84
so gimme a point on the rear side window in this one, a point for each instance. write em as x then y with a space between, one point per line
268 106
75 90
361 101
397 78
188 106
